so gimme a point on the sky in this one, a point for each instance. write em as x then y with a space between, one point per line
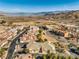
38 5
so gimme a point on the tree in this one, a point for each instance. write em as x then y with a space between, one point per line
66 57
44 56
2 22
63 57
40 31
34 56
76 58
18 31
2 50
69 57
60 57
76 16
51 55
10 23
45 39
55 57
39 37
48 54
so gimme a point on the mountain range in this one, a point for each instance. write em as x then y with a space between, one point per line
32 14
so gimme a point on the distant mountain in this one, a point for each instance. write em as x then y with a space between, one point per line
64 16
31 14
37 14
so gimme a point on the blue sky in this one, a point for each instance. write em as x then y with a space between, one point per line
38 5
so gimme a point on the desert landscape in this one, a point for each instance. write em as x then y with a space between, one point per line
44 35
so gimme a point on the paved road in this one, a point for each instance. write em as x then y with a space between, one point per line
13 44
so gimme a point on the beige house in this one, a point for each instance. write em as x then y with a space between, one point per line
48 47
35 47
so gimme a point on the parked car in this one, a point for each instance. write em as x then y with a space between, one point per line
74 50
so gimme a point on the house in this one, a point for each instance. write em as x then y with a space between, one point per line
47 46
33 47
42 48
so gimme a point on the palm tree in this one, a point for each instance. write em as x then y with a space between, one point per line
69 57
56 56
51 55
44 56
63 57
2 50
76 58
66 57
60 57
34 56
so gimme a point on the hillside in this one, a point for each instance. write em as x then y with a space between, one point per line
64 16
